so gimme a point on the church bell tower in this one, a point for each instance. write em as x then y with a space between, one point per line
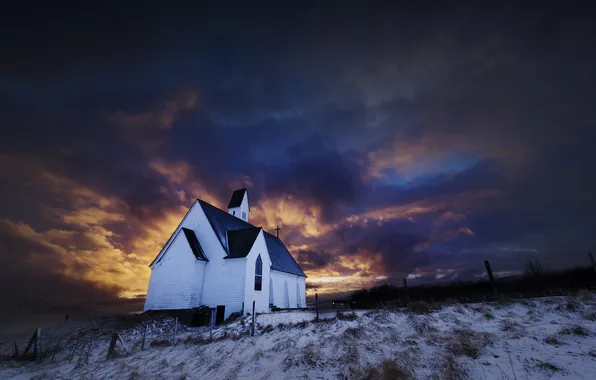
238 205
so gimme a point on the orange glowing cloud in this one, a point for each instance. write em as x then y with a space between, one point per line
294 213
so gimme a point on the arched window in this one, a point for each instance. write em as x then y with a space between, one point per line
259 273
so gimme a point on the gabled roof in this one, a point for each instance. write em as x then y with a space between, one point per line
227 228
194 244
222 222
237 198
241 241
281 259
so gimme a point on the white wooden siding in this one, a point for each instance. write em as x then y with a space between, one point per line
221 280
261 297
279 279
171 285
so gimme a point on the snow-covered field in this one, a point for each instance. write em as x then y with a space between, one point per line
531 339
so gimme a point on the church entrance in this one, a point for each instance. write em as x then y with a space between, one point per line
220 314
271 303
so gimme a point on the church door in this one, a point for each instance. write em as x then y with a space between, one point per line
271 303
286 296
298 305
220 314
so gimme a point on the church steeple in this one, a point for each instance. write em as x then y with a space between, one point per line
238 205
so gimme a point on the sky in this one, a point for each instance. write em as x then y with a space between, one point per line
386 141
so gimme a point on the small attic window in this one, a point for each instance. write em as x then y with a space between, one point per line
243 215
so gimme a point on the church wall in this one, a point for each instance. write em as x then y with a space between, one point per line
261 297
217 282
171 282
197 283
223 280
279 289
181 281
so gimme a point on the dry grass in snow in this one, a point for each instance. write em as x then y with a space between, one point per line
551 338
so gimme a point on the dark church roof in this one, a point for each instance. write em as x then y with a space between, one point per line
237 198
194 244
240 241
234 234
281 259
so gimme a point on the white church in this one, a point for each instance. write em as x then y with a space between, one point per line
217 259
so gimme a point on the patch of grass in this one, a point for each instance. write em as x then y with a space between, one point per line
592 353
489 315
234 316
545 366
591 316
467 343
422 324
346 317
239 335
308 356
571 305
195 340
160 343
353 332
301 325
267 329
322 320
452 370
575 330
388 370
552 340
419 308
509 324
525 303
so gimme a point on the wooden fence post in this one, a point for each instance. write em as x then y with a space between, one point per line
489 271
407 292
252 327
56 348
88 351
144 336
15 350
74 348
317 304
175 328
112 344
30 344
39 346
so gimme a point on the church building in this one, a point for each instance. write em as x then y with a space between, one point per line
218 259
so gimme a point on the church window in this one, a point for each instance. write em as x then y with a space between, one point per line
258 273
243 215
234 213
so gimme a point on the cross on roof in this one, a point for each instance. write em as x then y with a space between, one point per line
277 230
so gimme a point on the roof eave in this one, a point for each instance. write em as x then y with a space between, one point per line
283 271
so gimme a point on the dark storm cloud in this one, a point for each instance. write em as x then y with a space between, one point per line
395 241
355 110
318 172
309 259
